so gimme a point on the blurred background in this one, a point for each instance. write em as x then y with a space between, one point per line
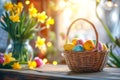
64 12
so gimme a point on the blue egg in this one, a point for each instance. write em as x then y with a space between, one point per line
78 48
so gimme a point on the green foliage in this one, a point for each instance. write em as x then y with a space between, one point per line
117 41
8 65
20 31
114 60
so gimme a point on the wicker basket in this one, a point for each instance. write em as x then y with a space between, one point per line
87 61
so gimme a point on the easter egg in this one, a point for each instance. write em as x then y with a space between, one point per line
74 41
88 45
104 47
38 61
100 46
78 48
80 41
68 46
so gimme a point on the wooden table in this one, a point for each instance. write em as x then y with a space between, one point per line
59 72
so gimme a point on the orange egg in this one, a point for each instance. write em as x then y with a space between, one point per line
89 45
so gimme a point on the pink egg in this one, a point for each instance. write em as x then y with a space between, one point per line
39 61
99 46
80 41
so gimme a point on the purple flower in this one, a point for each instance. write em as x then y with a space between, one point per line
1 60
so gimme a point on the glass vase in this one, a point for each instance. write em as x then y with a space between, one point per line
21 51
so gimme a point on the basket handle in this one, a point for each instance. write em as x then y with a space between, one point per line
96 33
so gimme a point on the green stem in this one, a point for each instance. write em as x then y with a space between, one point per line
105 27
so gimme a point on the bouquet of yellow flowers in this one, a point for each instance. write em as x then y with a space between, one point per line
21 26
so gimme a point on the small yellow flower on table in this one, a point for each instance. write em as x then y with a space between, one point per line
16 66
32 64
8 58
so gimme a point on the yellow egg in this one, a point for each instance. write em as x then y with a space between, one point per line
88 45
69 46
74 41
104 47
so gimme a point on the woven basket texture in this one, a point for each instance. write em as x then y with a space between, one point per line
85 61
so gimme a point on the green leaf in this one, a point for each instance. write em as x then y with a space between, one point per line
110 65
114 59
114 62
118 42
9 65
3 26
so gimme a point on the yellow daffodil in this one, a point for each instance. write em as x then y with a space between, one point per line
40 42
32 11
19 7
8 6
15 18
32 64
8 58
16 66
41 17
14 10
49 22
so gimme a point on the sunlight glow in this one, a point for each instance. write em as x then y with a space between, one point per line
49 44
27 2
45 60
109 3
55 62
